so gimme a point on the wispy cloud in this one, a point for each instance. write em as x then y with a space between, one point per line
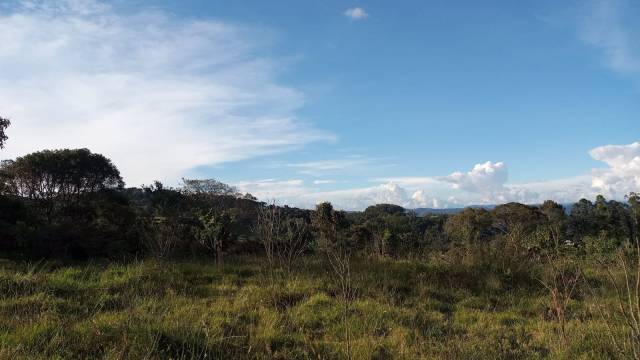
605 25
356 13
157 94
349 163
409 181
324 182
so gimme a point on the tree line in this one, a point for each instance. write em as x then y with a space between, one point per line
73 203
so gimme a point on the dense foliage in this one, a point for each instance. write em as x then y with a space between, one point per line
4 124
72 203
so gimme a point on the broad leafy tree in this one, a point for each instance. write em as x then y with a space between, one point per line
468 226
58 179
383 209
208 187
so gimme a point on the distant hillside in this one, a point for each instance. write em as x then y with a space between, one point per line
452 211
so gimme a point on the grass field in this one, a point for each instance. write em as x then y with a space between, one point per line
196 310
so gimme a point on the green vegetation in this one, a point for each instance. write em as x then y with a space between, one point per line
91 269
197 310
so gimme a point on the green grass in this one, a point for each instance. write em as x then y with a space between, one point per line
197 310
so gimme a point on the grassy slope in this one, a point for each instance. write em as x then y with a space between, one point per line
153 309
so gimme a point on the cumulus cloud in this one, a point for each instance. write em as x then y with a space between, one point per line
484 178
356 13
623 173
157 94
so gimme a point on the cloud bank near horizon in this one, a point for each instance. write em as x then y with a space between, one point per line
484 184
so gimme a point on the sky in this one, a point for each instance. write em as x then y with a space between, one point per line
418 103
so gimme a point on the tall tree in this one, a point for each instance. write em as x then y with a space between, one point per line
4 124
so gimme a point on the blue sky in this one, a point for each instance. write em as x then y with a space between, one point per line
420 103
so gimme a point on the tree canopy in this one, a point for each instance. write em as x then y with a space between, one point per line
4 124
62 174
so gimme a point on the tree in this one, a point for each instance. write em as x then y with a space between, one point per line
556 220
605 220
468 226
382 238
208 187
328 224
73 203
58 179
553 211
516 217
383 209
269 225
215 232
583 220
4 124
295 241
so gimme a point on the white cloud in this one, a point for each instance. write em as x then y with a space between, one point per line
606 27
612 27
353 163
356 13
272 189
295 192
623 174
564 190
323 182
157 94
412 192
360 198
317 167
420 199
485 183
483 178
410 181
